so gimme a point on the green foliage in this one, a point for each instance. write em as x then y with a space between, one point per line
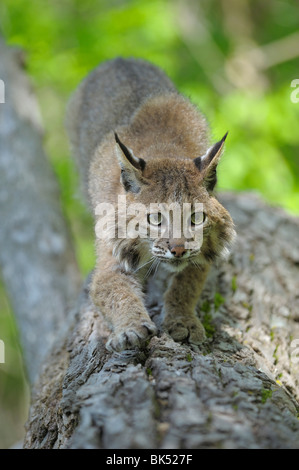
265 395
189 357
234 284
218 300
208 324
13 393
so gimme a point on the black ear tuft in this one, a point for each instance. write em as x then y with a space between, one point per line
138 163
131 167
123 147
207 164
214 151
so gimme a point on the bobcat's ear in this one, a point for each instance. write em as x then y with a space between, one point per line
131 167
207 164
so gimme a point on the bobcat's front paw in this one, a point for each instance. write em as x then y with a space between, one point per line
135 335
183 329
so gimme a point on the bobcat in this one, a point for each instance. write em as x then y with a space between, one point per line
133 135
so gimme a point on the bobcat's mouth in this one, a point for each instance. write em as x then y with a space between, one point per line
174 265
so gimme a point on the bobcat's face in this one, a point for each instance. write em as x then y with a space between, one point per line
182 222
176 234
203 231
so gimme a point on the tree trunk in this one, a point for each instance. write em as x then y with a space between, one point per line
38 264
239 390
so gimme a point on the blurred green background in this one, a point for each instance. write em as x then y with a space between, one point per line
235 59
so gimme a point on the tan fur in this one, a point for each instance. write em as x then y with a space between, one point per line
160 139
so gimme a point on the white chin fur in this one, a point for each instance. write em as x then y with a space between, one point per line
174 268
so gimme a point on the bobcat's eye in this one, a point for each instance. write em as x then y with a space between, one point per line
198 218
154 219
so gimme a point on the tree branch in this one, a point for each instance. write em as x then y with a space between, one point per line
239 390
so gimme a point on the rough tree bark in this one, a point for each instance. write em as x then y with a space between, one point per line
36 257
239 390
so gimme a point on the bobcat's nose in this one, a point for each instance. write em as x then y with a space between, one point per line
178 250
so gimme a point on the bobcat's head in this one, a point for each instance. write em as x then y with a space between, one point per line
172 216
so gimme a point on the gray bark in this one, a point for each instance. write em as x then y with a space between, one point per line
239 390
36 257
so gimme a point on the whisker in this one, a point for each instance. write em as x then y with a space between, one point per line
151 268
148 271
195 263
144 264
157 266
